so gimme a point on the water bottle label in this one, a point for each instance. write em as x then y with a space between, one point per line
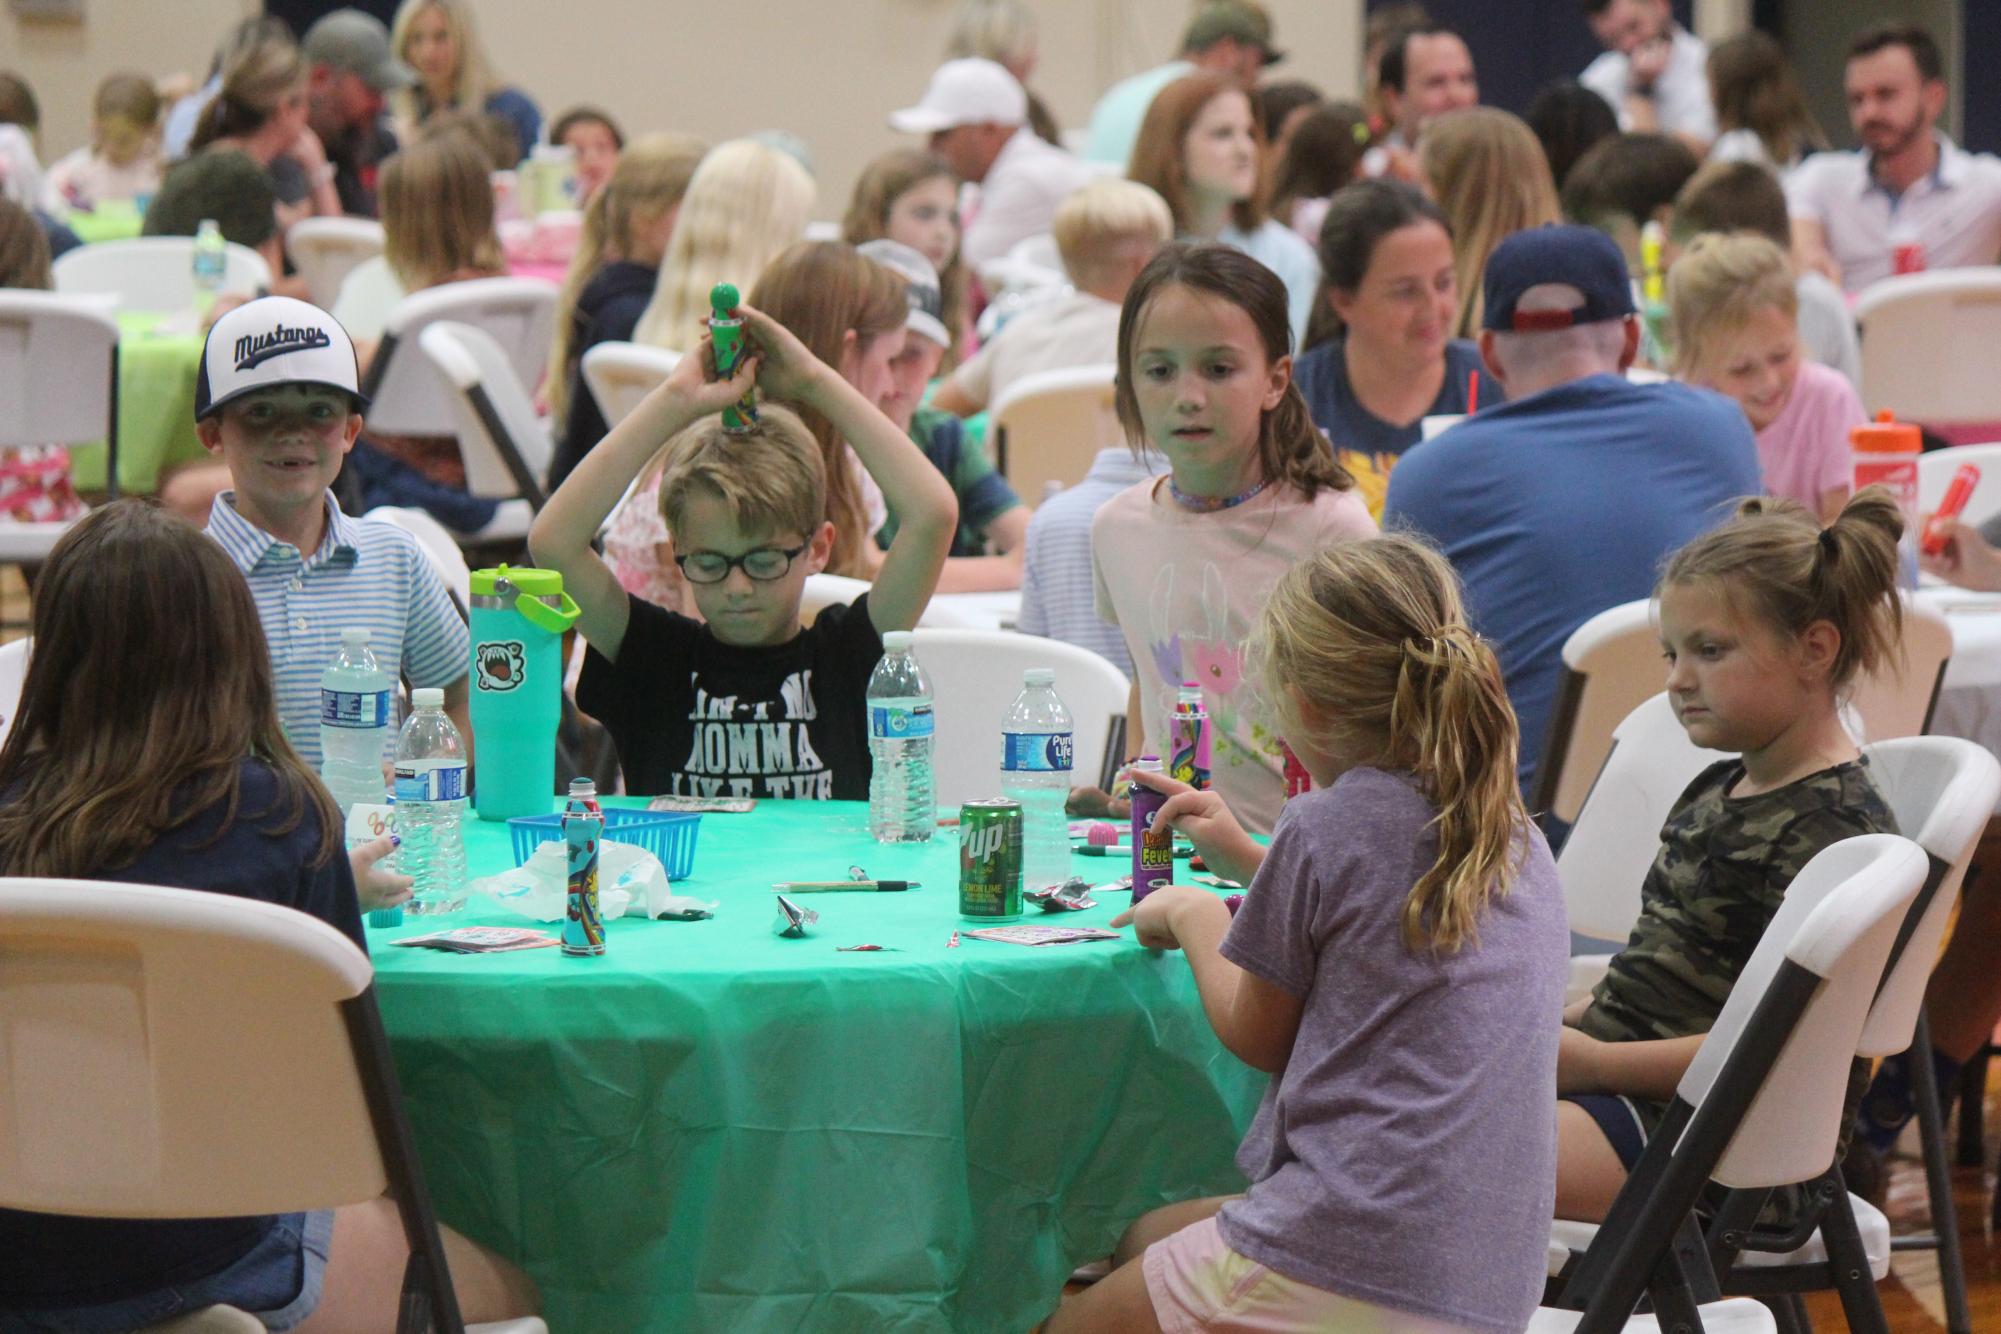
354 708
1036 752
898 724
501 664
446 782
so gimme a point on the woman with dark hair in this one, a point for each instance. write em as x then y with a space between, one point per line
1568 119
1760 110
1381 357
1325 153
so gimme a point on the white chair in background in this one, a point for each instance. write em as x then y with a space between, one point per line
406 396
1048 427
828 590
120 1100
975 675
154 273
326 250
13 675
59 386
621 374
438 544
1897 702
1936 468
1030 264
1610 664
505 446
368 292
1921 333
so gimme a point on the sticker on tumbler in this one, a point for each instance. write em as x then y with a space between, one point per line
502 664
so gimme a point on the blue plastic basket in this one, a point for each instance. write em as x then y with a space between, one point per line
668 835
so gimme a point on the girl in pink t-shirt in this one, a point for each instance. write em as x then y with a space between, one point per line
1183 564
1735 313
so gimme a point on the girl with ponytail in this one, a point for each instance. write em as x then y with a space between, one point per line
1766 623
1183 563
1397 965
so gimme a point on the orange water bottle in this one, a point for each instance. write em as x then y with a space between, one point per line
1886 454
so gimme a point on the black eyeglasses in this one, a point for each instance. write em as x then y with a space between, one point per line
763 564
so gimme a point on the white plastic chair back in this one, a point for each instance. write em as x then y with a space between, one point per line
406 396
1942 791
1049 426
367 295
975 675
1838 920
828 590
140 1023
1030 264
56 366
1618 655
326 250
13 675
495 420
1732 1315
438 544
1895 702
621 374
1617 834
154 273
1917 330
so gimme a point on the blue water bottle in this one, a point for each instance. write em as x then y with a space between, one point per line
583 836
518 620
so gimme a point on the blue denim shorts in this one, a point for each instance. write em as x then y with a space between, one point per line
278 1282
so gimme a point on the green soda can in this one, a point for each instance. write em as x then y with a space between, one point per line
726 337
990 860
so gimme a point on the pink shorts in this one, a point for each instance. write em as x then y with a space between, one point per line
1200 1286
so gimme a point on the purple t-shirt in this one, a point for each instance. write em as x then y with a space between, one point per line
1406 1155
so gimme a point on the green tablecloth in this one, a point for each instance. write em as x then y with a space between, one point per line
156 406
119 220
714 1128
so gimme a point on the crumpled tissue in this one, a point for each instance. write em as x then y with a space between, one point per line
631 883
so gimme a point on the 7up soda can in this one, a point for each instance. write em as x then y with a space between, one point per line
990 860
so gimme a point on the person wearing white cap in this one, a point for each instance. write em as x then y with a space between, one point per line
991 516
277 400
976 116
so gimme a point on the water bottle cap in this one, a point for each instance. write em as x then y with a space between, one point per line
1039 676
355 636
896 641
428 697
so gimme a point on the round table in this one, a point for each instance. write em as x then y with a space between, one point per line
711 1127
1969 698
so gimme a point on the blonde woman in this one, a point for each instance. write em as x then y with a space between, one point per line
437 39
1487 171
627 226
260 111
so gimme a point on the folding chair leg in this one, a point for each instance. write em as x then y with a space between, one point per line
1973 1110
1848 1263
1938 1180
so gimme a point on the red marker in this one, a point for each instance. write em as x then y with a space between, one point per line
1956 496
1472 392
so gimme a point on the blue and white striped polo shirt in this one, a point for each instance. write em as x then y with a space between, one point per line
364 574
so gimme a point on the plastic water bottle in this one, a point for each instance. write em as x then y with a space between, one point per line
211 263
431 804
1036 757
354 723
901 808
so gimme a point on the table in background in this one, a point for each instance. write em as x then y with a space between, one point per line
1969 699
715 1128
157 369
119 220
976 611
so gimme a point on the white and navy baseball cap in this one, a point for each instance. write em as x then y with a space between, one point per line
921 290
273 341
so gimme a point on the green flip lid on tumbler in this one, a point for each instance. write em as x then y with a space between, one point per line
537 594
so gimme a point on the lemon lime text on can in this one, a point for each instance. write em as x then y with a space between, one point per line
990 860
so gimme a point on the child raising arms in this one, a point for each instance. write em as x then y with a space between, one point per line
1397 965
744 702
1765 622
1182 563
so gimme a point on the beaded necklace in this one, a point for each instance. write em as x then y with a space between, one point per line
1210 504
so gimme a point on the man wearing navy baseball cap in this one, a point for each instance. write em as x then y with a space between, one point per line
1562 501
278 401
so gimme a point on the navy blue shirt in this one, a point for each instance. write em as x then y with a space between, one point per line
1368 446
52 1262
607 311
1557 506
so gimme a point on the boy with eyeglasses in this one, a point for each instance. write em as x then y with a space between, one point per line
743 702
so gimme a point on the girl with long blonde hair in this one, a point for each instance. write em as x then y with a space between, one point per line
438 40
1397 964
1487 170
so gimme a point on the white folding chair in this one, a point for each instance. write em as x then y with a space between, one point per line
827 590
13 675
154 273
1935 471
1049 426
1029 264
1899 700
180 1054
975 674
59 385
1761 1105
1916 333
1610 664
326 250
438 544
621 374
505 446
406 397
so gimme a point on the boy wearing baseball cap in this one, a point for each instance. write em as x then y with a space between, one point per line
278 401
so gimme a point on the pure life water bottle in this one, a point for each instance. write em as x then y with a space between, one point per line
1036 757
901 808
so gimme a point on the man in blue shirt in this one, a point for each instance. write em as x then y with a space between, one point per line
1564 500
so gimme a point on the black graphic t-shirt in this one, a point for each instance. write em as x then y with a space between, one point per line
695 717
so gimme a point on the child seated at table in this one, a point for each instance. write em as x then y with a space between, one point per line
1397 965
743 702
147 749
122 163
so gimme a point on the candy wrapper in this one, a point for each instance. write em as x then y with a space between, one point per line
1073 895
631 883
793 921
